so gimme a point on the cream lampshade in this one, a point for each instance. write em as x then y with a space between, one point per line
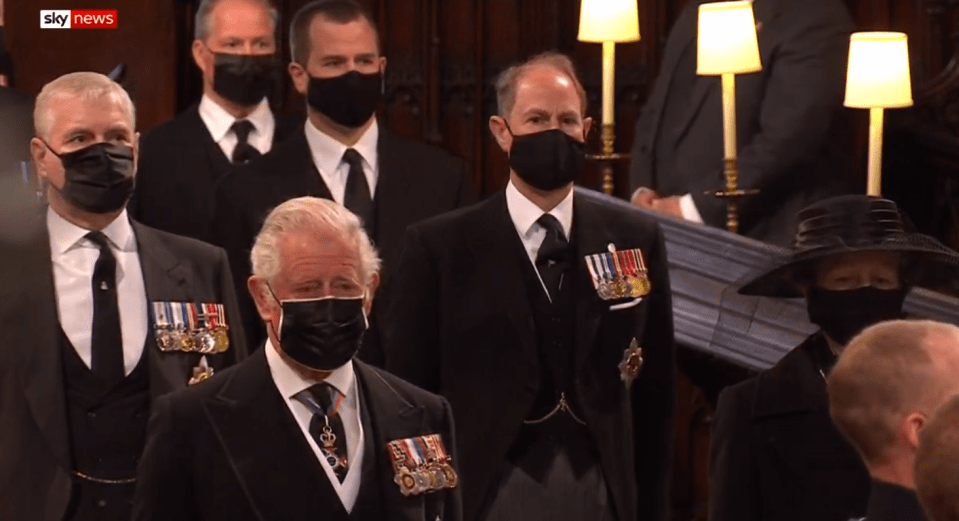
608 21
727 39
878 74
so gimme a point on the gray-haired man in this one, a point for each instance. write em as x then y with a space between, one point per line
300 430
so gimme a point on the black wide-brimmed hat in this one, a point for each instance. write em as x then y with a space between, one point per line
852 223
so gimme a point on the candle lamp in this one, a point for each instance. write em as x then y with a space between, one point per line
727 46
877 78
608 22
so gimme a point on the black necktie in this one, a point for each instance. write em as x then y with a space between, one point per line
357 197
243 151
552 260
326 426
107 338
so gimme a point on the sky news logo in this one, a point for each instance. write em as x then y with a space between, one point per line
78 19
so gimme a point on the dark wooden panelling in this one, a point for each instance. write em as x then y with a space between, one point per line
145 40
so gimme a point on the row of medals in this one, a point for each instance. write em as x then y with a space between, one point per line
200 340
432 475
632 285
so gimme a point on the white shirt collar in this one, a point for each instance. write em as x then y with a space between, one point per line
524 212
65 235
328 152
290 383
218 121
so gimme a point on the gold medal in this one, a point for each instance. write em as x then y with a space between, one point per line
221 340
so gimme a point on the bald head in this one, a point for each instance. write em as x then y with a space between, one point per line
888 380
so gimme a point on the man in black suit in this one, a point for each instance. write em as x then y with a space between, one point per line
182 160
532 314
937 463
300 430
342 153
775 453
85 342
793 134
883 391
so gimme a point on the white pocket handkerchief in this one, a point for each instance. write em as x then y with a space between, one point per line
626 305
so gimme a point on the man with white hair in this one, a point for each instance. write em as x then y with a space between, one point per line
301 430
100 315
883 391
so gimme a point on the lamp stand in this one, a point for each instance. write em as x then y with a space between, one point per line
874 182
731 161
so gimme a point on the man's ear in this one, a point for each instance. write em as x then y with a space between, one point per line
500 130
371 288
911 425
265 303
38 152
299 76
198 57
587 125
136 151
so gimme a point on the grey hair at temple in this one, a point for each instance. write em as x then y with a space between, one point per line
201 23
310 214
507 80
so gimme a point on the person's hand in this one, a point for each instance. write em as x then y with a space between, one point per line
644 197
668 206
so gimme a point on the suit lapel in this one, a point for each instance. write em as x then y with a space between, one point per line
199 136
166 279
498 252
35 328
298 174
392 418
685 31
272 460
592 235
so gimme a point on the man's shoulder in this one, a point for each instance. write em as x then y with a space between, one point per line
616 211
179 246
190 399
408 392
173 130
459 223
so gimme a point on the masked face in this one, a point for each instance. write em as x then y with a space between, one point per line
547 160
844 314
98 178
322 333
242 78
350 100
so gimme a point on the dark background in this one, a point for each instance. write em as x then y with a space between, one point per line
443 56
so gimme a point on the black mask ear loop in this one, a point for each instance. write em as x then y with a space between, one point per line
278 303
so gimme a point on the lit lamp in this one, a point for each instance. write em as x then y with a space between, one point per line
877 79
608 22
727 46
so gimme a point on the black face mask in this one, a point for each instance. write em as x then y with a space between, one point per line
323 333
547 160
99 178
244 79
349 99
844 314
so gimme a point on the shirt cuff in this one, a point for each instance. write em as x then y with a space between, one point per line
688 207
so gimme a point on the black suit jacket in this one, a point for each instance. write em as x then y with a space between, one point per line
416 181
890 502
463 327
34 447
793 133
229 449
776 454
177 172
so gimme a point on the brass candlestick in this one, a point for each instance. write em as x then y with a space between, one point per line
606 159
732 193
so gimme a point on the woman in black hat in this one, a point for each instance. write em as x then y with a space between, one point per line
776 455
